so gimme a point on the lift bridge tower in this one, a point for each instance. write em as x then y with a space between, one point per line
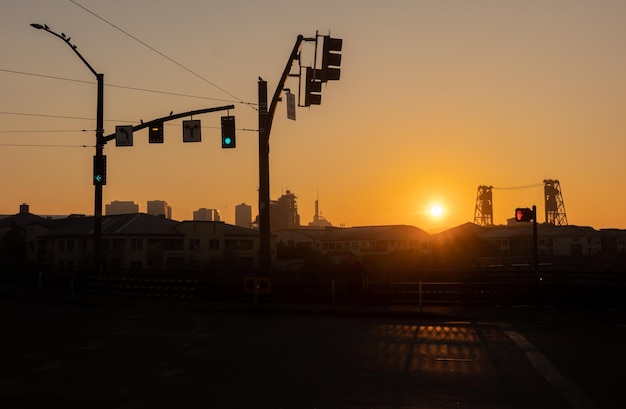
554 205
483 212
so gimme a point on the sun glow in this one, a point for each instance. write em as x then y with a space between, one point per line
436 211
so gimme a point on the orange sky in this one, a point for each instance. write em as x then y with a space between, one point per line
435 99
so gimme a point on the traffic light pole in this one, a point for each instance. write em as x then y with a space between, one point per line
266 117
97 207
97 219
535 243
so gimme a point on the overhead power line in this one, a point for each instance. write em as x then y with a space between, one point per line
518 187
158 52
51 131
45 146
64 117
124 87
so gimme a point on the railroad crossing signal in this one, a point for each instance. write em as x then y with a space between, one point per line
228 132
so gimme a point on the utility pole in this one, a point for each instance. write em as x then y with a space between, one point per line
265 256
97 202
266 117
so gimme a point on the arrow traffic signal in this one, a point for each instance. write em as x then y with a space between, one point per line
99 170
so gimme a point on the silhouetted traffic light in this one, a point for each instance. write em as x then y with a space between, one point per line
312 88
331 59
99 170
156 133
228 132
524 214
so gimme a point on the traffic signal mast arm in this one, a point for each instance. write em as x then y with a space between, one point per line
272 108
108 138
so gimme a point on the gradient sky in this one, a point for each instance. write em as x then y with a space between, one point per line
435 98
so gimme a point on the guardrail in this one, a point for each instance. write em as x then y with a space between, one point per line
425 288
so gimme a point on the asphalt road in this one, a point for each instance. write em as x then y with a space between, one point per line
123 354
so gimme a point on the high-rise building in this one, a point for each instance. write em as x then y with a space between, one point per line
284 212
121 207
159 208
208 215
243 216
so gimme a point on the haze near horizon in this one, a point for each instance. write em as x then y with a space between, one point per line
435 99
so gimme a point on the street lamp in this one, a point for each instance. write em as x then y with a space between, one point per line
99 157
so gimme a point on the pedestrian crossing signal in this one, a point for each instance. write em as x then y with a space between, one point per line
524 214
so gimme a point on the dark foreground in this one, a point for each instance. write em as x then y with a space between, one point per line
122 353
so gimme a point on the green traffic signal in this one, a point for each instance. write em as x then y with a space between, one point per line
228 132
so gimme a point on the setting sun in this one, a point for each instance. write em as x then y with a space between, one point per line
436 211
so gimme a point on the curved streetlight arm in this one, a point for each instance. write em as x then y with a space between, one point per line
63 37
99 156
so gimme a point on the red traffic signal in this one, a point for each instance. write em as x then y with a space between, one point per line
524 214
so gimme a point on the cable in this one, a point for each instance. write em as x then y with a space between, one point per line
125 87
51 131
158 52
90 119
518 187
64 117
45 146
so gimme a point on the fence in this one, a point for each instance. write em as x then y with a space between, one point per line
420 288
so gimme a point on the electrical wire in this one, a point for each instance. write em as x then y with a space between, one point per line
518 187
51 131
45 146
160 53
63 117
89 119
177 94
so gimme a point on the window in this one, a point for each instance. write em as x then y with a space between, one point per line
61 245
214 244
136 244
70 245
194 244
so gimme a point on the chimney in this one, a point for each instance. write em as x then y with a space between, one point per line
24 209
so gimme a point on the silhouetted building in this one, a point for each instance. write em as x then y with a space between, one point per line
121 207
243 216
374 247
284 212
159 208
141 242
207 215
319 221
